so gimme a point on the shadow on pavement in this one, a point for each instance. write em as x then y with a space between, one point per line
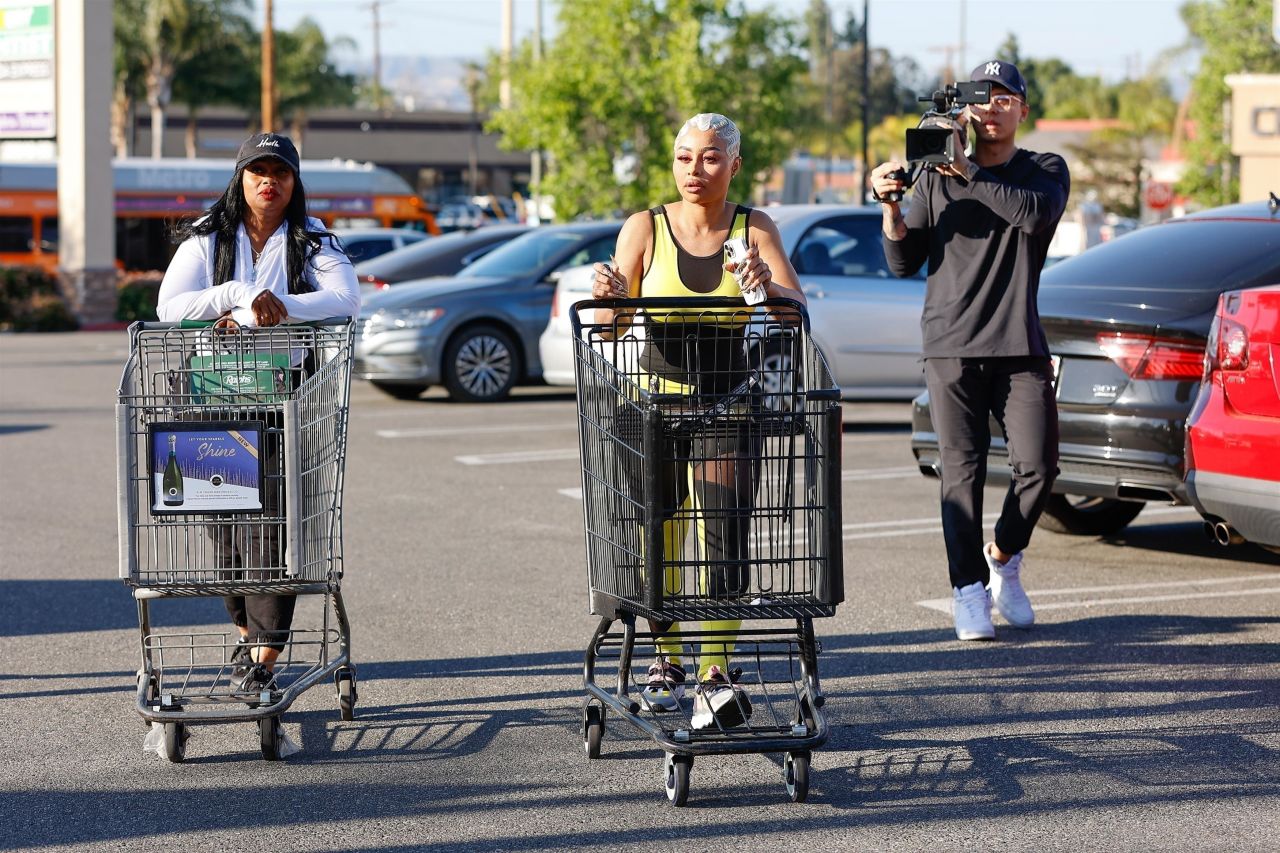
10 429
1188 538
35 607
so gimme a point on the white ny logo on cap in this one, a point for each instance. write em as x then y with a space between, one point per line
992 68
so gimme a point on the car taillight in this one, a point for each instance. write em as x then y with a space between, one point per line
375 281
1147 357
1233 346
555 304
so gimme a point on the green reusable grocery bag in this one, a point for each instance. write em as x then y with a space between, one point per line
240 378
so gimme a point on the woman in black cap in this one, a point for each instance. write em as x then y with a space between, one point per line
255 254
256 259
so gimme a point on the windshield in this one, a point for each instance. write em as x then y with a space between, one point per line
525 255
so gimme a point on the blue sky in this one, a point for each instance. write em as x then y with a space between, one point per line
1111 38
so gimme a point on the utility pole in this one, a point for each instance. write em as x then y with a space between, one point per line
830 37
375 8
508 37
268 71
535 164
866 99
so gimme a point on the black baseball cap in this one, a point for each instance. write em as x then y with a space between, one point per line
1001 73
268 145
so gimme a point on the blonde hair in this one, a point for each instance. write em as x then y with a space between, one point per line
725 130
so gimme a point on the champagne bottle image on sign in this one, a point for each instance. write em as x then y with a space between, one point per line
171 482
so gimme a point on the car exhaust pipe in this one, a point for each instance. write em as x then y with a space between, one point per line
1226 535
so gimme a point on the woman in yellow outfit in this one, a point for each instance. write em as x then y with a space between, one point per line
677 250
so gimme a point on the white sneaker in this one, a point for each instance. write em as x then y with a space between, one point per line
971 608
1007 592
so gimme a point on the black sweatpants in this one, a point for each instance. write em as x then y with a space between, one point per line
254 549
964 394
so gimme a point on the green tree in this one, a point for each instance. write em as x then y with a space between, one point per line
306 76
130 73
224 69
171 33
1050 82
623 75
1235 38
1113 159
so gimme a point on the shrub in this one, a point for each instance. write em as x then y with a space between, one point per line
30 301
137 296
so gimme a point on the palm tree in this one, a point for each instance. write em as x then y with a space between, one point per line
173 32
306 77
225 70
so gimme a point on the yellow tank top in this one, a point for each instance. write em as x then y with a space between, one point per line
675 272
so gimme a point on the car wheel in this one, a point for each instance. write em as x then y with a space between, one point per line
401 392
1083 516
481 365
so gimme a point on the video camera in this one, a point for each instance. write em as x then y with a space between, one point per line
931 145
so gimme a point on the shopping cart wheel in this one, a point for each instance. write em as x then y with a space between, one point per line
676 769
175 742
270 735
346 681
592 729
795 771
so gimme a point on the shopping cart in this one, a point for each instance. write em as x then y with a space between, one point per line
753 396
231 450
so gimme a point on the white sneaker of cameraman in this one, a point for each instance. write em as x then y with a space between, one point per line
1006 589
971 607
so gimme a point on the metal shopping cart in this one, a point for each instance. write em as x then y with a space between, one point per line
707 391
231 450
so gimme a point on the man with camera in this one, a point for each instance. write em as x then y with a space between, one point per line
983 221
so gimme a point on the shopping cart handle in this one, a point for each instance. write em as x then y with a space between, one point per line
205 324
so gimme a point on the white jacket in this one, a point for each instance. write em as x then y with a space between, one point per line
188 292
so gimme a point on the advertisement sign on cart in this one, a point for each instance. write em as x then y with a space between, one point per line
210 467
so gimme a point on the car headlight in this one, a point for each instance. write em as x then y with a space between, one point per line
414 318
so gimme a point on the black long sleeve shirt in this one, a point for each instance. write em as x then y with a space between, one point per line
985 241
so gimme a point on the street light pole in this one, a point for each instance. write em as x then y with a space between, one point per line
268 71
866 99
535 164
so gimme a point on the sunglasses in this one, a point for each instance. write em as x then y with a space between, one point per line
1001 102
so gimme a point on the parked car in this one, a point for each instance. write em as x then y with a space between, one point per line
1127 323
1233 434
443 255
363 244
866 321
476 332
458 215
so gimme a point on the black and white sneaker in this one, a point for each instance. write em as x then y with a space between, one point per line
665 687
257 680
719 703
241 659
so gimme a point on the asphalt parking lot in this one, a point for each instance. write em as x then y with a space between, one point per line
1139 714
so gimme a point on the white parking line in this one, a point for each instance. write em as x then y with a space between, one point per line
944 604
472 430
880 473
519 457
